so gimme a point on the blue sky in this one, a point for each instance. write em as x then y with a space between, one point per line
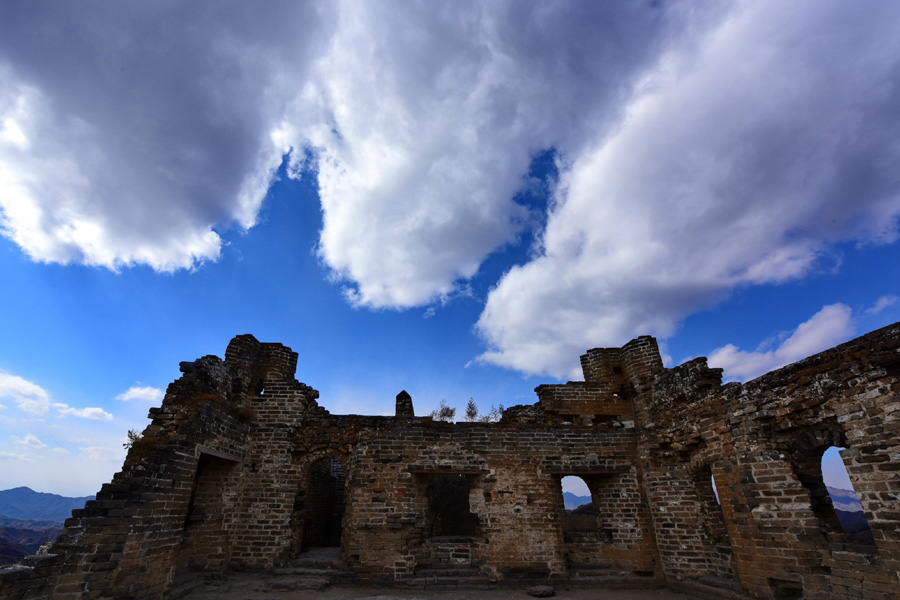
455 201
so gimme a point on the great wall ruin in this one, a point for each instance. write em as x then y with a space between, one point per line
241 468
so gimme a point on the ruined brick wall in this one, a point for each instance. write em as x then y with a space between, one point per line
514 474
241 468
763 443
169 509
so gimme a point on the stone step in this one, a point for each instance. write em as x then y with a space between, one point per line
709 592
448 571
306 571
605 573
612 578
317 563
615 582
450 583
448 577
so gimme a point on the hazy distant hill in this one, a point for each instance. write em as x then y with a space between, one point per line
845 500
572 501
25 503
29 519
21 537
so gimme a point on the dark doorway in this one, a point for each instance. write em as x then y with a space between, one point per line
448 506
323 509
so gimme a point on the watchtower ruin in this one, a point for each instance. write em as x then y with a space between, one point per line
241 468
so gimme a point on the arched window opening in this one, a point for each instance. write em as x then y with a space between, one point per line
848 511
449 514
580 512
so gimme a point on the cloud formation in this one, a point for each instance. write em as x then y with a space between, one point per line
429 133
832 325
29 440
89 412
147 394
34 401
130 134
742 157
701 146
881 304
29 397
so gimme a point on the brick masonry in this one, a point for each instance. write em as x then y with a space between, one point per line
241 468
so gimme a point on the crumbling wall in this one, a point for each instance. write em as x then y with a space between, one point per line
514 476
241 468
173 507
763 443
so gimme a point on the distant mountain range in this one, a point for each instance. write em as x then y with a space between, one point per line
25 503
572 501
29 519
20 538
845 500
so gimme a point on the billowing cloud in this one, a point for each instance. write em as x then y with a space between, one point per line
29 397
742 156
701 146
129 135
427 135
147 394
128 143
828 327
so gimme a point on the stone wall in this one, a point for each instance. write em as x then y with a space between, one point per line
241 468
763 442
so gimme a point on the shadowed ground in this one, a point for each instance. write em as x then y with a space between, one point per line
250 587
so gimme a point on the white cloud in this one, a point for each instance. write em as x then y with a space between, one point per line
29 397
29 440
881 304
702 145
76 473
741 158
832 325
102 453
428 133
128 143
143 394
89 412
135 149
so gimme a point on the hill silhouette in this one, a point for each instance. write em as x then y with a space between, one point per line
24 503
